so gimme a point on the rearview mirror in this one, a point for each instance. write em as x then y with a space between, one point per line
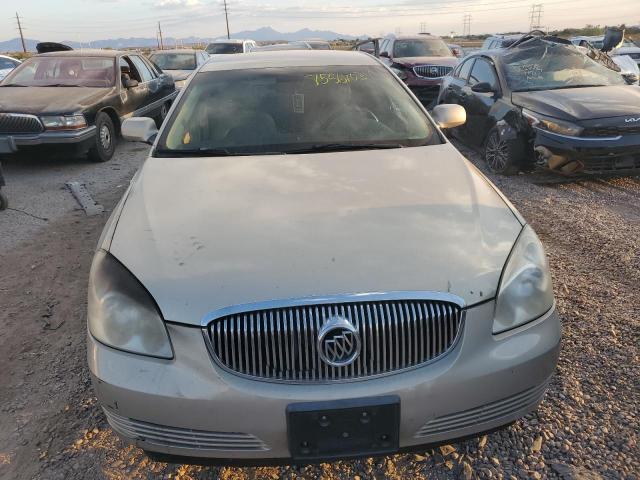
612 39
449 115
384 54
483 87
139 129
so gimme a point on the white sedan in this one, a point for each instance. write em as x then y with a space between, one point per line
6 65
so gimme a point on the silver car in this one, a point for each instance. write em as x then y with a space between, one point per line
305 268
179 63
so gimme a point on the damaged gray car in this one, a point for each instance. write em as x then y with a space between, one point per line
541 102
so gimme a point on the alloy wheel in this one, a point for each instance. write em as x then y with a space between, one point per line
497 153
105 137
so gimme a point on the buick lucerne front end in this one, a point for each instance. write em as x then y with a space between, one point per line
331 279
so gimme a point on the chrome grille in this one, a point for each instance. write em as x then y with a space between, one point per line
611 131
431 71
183 437
19 123
281 344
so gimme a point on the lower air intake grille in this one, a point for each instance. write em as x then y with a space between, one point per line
182 437
334 341
431 71
484 413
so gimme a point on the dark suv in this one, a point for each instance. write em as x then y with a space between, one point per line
421 61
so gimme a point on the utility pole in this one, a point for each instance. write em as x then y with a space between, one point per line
24 47
160 35
466 25
423 27
226 17
535 16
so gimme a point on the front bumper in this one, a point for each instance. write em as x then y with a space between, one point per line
15 142
615 154
425 89
189 407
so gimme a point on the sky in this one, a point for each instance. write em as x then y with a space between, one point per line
86 20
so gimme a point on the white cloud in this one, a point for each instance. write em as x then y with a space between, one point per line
177 3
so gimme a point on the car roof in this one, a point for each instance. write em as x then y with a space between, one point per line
86 52
420 36
177 50
228 40
288 58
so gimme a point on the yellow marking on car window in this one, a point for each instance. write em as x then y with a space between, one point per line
186 140
321 79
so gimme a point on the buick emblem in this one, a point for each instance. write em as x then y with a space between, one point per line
434 70
338 342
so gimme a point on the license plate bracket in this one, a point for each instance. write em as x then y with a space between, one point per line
6 145
344 428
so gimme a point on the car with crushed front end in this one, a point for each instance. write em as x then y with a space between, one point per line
543 103
179 63
330 279
421 61
76 100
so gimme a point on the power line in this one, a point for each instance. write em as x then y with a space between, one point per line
24 47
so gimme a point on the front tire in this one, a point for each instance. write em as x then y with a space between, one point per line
503 156
4 201
105 141
164 109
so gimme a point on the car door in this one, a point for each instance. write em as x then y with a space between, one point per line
452 89
133 97
167 84
154 91
479 104
385 52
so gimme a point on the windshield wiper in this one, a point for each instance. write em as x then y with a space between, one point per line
60 85
199 152
13 85
559 87
343 147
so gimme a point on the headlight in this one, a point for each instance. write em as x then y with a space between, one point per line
64 122
525 291
121 312
180 84
400 73
551 124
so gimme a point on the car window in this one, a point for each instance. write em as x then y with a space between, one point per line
421 48
540 65
464 69
483 71
64 71
155 70
384 47
7 63
292 109
224 48
174 61
144 71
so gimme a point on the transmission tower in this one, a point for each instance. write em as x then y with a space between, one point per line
466 25
535 16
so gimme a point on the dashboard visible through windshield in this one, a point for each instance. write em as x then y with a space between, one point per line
294 110
98 72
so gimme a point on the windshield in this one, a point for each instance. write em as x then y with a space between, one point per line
6 63
174 61
540 65
218 48
421 48
64 72
294 110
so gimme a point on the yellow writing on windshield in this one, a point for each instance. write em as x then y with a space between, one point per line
336 78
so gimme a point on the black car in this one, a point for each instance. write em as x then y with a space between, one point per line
77 99
542 102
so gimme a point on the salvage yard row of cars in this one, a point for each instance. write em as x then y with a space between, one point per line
332 278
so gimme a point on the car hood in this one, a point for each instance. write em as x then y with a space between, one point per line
207 233
414 61
49 100
576 104
178 75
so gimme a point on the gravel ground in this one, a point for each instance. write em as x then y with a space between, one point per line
586 428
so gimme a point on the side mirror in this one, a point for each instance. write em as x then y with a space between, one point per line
129 83
139 129
612 39
449 115
483 87
384 54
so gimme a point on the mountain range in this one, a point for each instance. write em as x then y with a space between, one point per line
261 35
